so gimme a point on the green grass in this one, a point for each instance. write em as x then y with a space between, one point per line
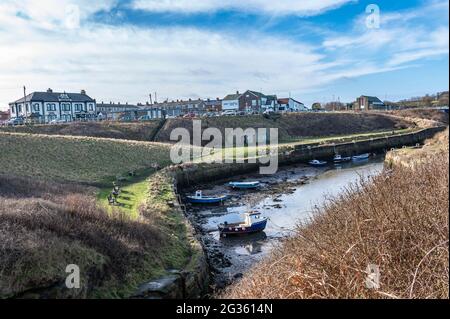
87 160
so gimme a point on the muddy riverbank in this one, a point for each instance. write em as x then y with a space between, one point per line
286 198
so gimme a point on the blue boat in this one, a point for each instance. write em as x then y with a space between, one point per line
244 185
361 157
317 163
199 198
253 223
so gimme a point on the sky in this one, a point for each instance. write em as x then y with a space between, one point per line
311 50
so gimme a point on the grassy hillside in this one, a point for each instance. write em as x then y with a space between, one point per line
76 159
423 113
295 126
398 221
45 226
126 131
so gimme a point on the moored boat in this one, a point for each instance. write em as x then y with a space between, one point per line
340 159
361 157
199 198
253 223
317 163
244 185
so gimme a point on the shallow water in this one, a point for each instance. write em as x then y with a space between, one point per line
232 256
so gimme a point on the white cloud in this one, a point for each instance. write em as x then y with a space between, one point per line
126 63
279 7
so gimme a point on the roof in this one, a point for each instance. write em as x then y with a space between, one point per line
286 100
372 99
55 97
232 97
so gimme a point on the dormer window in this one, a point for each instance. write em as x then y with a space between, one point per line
63 96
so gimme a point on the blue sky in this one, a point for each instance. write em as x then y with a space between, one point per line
313 50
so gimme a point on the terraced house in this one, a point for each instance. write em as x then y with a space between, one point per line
44 107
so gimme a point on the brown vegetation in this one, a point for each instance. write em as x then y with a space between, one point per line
127 131
422 113
296 125
398 221
46 226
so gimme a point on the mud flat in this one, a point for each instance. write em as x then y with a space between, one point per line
286 198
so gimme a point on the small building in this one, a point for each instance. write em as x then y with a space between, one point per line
365 103
181 107
43 107
291 105
115 111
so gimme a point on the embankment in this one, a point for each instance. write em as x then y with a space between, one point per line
295 125
126 131
395 224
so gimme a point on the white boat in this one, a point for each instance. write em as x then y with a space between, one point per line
317 163
339 159
361 157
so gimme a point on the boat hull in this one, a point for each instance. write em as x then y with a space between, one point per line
238 230
208 200
244 185
342 160
361 157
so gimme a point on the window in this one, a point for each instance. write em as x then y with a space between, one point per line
91 107
36 107
66 107
19 108
51 107
78 107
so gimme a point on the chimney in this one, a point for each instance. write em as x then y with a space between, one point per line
217 99
209 100
237 92
49 91
83 92
190 100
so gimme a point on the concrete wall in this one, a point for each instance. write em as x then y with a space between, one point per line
192 174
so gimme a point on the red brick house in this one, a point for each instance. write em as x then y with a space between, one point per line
4 116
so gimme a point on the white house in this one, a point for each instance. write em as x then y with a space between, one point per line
44 107
291 105
232 102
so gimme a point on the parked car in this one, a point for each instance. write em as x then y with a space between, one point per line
229 113
15 121
55 121
241 113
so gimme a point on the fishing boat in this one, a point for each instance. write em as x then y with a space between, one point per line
253 223
317 163
244 185
199 198
340 159
361 157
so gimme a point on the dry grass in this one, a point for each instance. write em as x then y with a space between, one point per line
297 125
127 131
45 226
398 221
